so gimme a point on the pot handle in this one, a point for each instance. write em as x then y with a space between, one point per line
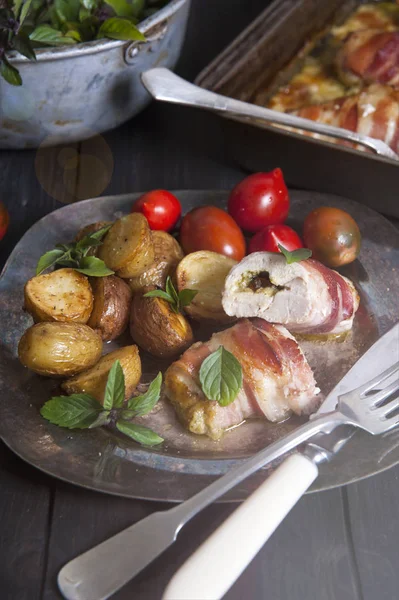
155 35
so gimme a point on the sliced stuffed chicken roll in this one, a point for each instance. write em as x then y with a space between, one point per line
306 296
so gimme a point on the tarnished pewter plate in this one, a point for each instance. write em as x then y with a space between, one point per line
106 461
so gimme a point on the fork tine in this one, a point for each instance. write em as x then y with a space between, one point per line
379 379
378 397
390 407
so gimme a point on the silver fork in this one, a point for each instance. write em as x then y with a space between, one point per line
131 550
205 576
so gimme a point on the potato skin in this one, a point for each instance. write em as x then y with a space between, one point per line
168 254
63 295
127 248
59 349
111 308
205 272
156 328
93 381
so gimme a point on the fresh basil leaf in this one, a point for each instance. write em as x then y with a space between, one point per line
137 7
77 411
114 395
117 28
121 8
90 5
22 44
170 289
93 267
140 434
93 239
67 10
17 7
221 376
159 294
186 297
24 11
74 34
295 255
143 404
48 260
102 419
45 34
10 73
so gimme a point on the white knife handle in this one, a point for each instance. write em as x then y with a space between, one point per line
220 560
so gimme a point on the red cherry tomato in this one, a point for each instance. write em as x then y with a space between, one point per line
332 235
211 228
161 209
269 238
4 220
260 200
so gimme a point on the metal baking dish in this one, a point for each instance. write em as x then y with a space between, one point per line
266 55
70 94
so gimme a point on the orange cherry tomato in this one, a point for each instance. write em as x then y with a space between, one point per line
211 228
4 220
332 236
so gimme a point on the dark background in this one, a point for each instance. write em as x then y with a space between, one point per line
337 545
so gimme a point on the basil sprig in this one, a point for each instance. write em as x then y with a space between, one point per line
82 411
177 300
221 376
295 255
30 24
75 256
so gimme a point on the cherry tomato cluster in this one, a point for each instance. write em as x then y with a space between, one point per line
259 205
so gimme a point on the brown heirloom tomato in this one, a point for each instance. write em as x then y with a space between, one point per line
211 228
332 236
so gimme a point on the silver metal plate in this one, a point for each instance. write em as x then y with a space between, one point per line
104 460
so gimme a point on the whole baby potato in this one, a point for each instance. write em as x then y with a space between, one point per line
59 349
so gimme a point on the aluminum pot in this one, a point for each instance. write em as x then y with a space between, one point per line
70 94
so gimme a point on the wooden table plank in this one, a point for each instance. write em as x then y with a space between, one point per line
374 523
308 556
25 519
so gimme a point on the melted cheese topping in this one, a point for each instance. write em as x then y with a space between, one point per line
317 80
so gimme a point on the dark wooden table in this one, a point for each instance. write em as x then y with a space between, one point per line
336 545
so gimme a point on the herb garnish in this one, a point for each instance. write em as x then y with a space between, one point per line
81 411
75 256
26 25
295 255
221 376
177 300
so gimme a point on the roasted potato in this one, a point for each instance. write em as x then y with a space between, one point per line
92 228
168 254
59 349
111 309
156 328
94 380
127 248
63 295
206 272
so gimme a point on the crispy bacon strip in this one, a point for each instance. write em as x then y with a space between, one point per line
369 56
277 379
373 112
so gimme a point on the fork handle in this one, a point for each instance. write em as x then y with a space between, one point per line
219 561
